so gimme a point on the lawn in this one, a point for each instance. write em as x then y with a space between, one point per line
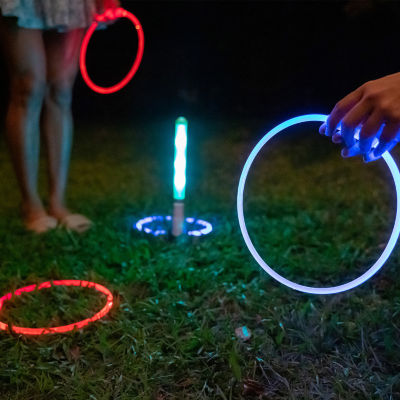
315 217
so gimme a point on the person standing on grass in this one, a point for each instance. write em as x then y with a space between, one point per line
41 41
375 108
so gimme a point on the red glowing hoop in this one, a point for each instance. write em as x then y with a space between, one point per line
64 328
112 14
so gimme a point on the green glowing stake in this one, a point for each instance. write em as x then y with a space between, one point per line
180 158
178 215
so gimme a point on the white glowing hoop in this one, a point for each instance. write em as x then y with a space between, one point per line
309 289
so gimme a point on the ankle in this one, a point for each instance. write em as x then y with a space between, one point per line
58 210
32 210
56 203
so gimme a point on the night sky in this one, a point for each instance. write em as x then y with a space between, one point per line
225 59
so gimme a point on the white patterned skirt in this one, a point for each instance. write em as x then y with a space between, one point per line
50 14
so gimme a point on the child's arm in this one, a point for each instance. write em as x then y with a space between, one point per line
372 106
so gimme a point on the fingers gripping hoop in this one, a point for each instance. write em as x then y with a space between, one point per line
309 289
107 16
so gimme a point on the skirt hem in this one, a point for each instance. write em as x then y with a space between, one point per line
50 15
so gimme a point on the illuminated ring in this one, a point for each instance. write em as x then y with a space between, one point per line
112 14
64 328
309 289
141 226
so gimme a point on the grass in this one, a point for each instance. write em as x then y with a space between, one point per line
171 334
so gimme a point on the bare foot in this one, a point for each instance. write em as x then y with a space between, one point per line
69 220
37 220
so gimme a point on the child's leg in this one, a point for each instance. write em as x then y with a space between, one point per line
24 51
62 55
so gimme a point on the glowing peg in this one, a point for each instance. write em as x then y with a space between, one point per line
180 158
178 213
302 288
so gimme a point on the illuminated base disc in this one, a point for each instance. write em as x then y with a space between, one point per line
158 225
308 289
58 329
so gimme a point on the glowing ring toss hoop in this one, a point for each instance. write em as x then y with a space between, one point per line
64 328
309 289
111 14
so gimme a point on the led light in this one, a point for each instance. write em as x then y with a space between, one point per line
207 227
106 16
180 158
58 329
308 289
203 227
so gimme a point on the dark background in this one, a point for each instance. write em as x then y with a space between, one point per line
238 59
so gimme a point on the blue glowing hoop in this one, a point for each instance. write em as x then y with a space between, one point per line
308 289
142 226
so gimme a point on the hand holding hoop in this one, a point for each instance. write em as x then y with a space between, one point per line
373 111
108 15
302 288
103 5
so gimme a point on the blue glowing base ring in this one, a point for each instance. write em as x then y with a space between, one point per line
141 226
308 289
